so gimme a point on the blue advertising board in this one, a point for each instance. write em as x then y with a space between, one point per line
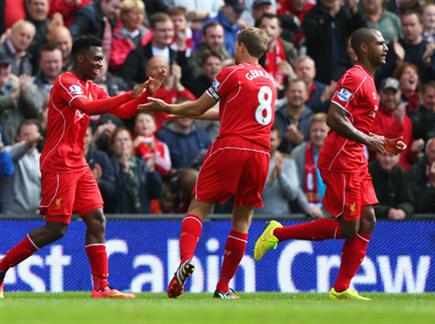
144 254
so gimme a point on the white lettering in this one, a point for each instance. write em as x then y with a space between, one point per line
369 274
153 277
24 272
212 246
324 265
56 261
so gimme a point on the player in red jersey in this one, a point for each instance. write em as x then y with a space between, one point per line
67 182
237 163
343 165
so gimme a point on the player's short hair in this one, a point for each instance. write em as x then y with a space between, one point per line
207 54
210 25
84 43
269 15
318 118
360 36
157 18
410 12
255 40
178 11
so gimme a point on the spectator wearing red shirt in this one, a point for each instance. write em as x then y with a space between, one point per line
67 8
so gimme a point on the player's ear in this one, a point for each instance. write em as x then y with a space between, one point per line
80 58
364 47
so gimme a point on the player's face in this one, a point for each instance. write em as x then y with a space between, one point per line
387 161
409 80
51 63
271 27
390 99
318 132
429 98
377 50
306 71
211 67
145 125
91 62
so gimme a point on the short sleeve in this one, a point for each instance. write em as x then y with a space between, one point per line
69 89
223 83
346 90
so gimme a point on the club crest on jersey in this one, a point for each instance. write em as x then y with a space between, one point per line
344 94
215 85
75 90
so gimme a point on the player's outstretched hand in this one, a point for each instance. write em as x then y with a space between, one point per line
394 146
151 85
154 105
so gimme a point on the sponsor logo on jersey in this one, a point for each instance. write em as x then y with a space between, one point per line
344 94
75 90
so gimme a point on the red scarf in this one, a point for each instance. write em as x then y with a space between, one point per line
274 59
310 176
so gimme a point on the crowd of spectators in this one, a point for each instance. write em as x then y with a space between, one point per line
149 164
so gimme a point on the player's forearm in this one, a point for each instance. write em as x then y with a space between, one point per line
342 125
129 109
98 107
186 109
212 115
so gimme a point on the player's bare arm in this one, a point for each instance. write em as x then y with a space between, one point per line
211 115
188 109
338 121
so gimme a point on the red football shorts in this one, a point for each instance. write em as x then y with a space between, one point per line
66 193
229 171
346 193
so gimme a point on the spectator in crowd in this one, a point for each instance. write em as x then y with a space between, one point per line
187 143
68 9
392 188
282 185
211 64
424 121
135 67
7 167
319 94
228 16
60 37
97 18
16 101
306 156
391 121
182 32
213 41
422 180
429 22
101 167
112 83
280 53
16 47
407 74
293 118
326 28
130 34
21 192
292 13
10 12
172 89
376 16
148 146
137 182
258 9
50 66
413 48
401 6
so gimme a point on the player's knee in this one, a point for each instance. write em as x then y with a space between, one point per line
368 220
349 230
98 221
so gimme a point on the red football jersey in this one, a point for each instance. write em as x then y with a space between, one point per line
66 126
356 94
247 95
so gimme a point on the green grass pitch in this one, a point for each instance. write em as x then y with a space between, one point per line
77 307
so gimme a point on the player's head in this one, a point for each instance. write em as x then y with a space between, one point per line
369 46
251 43
88 56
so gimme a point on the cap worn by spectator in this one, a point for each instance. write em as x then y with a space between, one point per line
5 59
238 5
390 83
258 3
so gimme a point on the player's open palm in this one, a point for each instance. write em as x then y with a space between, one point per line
154 105
154 84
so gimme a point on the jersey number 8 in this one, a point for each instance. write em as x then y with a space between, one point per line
263 113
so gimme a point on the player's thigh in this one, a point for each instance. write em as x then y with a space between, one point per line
253 178
368 193
58 195
88 196
218 177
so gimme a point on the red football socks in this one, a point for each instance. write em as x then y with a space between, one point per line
18 253
354 251
317 230
97 256
191 229
233 254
